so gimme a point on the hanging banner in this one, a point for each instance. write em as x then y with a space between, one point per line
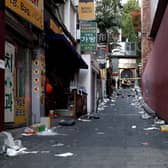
88 36
31 10
86 10
9 84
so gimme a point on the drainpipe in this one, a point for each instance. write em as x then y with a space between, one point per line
2 66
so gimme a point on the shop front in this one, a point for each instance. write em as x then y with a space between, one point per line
62 65
18 60
21 41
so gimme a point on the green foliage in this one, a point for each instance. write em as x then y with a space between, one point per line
128 31
128 24
130 6
108 14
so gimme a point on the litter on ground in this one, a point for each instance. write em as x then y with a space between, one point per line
47 132
133 126
13 152
84 120
57 145
145 116
64 154
151 128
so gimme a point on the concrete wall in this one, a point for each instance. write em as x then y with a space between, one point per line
70 17
155 76
88 79
85 80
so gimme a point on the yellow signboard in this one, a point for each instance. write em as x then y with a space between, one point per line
102 73
86 10
31 10
20 110
55 28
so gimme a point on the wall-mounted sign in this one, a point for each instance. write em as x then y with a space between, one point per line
86 10
102 37
31 10
20 110
88 36
9 81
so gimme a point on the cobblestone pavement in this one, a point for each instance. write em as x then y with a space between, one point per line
116 140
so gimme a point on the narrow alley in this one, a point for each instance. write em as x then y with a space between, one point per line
121 138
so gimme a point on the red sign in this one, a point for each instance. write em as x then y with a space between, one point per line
114 74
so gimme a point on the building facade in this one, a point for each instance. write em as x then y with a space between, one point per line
155 79
38 59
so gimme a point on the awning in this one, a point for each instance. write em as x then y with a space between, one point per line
62 50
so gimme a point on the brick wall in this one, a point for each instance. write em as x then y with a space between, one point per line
146 42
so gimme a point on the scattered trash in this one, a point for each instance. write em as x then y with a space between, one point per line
150 128
146 116
58 145
13 147
106 100
9 141
100 109
164 128
140 98
113 100
30 152
141 112
64 154
13 152
133 126
47 132
84 120
67 122
133 104
25 134
28 131
157 121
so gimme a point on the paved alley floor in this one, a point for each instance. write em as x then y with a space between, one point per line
116 140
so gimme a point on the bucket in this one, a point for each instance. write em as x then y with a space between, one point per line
41 128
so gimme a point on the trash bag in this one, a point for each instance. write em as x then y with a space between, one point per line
67 122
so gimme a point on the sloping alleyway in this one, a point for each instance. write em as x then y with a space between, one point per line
121 138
